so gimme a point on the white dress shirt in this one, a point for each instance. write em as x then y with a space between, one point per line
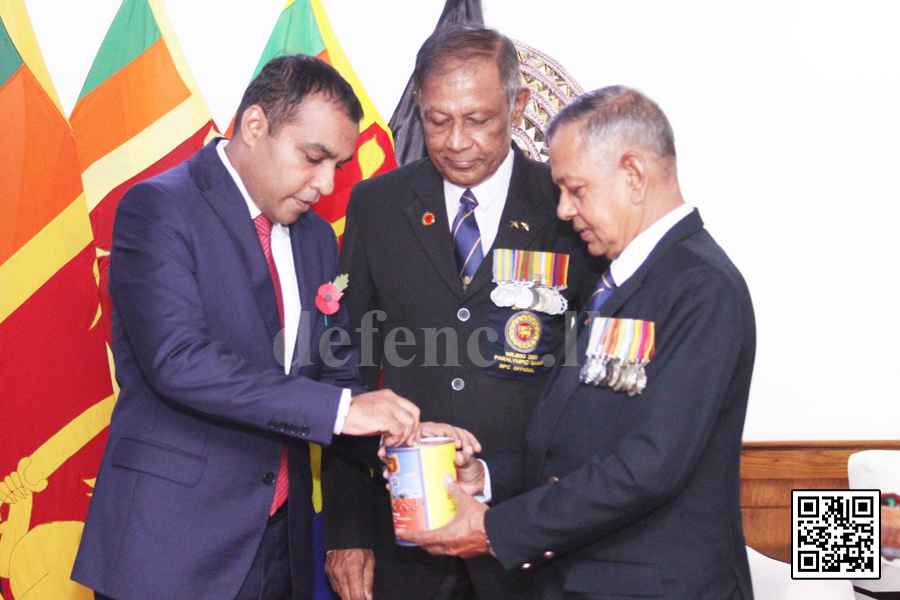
283 255
491 196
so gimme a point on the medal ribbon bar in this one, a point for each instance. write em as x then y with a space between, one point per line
544 268
618 352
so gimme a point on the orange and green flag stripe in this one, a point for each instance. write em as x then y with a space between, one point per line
139 113
43 219
138 103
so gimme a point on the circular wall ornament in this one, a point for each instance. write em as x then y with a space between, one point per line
551 88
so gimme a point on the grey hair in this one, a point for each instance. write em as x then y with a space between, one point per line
455 43
621 113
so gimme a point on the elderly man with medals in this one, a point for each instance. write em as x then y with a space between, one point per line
460 275
627 483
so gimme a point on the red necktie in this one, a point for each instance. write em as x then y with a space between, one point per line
264 230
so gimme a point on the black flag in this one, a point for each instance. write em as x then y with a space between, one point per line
406 122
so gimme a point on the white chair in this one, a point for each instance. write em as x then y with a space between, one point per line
874 470
877 470
772 581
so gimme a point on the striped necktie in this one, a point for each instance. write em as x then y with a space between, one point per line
264 231
603 290
467 238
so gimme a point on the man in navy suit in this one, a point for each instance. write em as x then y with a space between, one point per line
627 484
227 369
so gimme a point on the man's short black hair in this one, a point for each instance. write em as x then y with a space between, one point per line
461 42
284 82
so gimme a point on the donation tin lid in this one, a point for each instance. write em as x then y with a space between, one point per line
424 442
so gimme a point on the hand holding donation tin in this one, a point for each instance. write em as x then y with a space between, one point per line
469 470
467 446
416 473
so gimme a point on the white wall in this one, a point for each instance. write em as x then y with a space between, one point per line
786 123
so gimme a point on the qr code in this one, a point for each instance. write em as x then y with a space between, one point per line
835 534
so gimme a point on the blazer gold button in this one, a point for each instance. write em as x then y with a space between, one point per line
553 479
549 555
457 384
269 478
463 314
526 566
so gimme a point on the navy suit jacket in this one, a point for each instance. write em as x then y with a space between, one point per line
186 481
620 497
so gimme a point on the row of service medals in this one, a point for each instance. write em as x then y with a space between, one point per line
530 280
618 352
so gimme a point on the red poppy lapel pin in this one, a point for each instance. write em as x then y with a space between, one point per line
330 294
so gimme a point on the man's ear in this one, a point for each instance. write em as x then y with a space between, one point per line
518 108
633 167
253 125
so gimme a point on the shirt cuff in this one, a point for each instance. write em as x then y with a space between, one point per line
486 494
343 411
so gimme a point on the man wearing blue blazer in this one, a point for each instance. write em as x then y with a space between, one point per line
227 368
627 484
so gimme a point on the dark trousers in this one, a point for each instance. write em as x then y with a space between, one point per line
270 574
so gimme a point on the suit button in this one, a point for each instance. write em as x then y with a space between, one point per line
457 384
304 430
463 314
553 479
269 478
549 555
526 566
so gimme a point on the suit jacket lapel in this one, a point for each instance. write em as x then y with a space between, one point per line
226 200
689 225
428 197
304 245
521 207
559 395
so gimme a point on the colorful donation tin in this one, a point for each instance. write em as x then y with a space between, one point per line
419 501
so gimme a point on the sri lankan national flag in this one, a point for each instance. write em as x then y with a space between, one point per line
140 112
56 393
303 28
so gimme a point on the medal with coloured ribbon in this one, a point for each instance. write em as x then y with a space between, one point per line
618 352
530 280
